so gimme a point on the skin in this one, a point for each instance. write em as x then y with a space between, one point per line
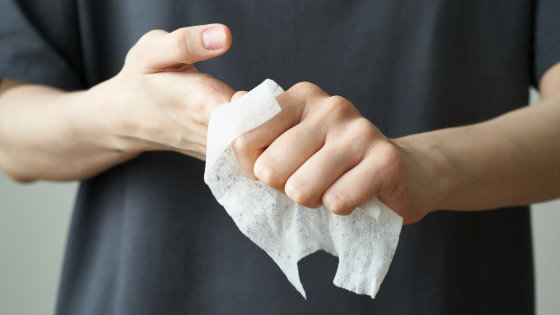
320 150
159 101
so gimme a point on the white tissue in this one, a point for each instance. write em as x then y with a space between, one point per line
364 241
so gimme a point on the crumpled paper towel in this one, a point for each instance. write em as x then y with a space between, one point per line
364 241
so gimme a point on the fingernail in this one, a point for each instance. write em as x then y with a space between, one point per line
214 38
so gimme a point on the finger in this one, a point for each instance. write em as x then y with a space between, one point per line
249 146
287 153
308 183
293 102
158 50
363 182
237 95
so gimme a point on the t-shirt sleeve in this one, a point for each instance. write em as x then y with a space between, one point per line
27 53
546 38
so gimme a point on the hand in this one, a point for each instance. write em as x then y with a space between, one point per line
159 100
320 151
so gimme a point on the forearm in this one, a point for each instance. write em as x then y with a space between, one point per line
158 101
513 159
49 134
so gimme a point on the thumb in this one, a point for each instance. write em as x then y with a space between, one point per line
158 50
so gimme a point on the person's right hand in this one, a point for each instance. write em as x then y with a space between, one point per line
159 100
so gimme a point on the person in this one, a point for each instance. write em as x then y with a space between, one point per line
430 117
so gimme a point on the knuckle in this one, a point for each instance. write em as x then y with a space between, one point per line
338 107
297 189
265 170
337 203
305 87
140 51
243 144
180 45
339 100
361 128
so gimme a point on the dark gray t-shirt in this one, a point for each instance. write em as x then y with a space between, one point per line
147 237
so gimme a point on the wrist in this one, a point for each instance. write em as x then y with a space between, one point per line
80 109
429 171
105 118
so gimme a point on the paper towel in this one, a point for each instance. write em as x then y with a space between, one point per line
364 241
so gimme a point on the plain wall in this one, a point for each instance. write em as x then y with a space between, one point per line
33 224
546 246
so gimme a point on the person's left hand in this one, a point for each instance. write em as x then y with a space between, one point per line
320 151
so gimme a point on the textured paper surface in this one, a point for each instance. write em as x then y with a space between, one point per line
364 241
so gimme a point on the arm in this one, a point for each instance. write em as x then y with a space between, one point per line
46 133
320 150
513 159
158 101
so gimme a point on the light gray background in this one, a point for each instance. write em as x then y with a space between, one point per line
34 222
